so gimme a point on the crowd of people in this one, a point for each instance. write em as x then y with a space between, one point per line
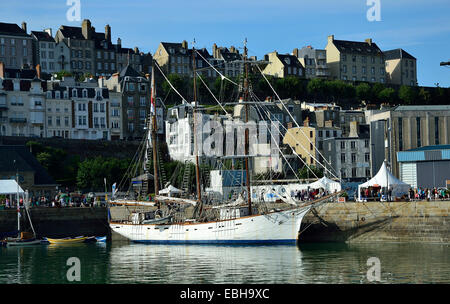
309 194
379 194
59 201
428 194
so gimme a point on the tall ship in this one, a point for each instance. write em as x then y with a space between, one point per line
201 216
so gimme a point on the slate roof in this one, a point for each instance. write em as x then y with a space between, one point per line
90 91
71 32
12 29
362 48
25 161
43 36
293 61
397 54
130 72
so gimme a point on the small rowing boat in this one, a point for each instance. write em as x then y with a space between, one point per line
68 240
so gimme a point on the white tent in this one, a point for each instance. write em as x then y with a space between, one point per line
327 184
170 190
9 186
383 178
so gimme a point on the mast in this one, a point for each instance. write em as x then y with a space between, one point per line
247 175
153 130
18 206
197 168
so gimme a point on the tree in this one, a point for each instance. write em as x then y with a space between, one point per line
363 91
375 91
62 74
317 87
387 95
424 95
306 172
407 94
178 83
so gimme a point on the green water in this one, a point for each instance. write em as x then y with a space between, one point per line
195 264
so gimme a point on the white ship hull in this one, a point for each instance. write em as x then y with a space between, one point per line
277 227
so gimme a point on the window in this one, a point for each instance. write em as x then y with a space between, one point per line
95 107
74 93
85 93
142 114
367 157
372 70
130 114
57 94
102 108
130 101
354 69
354 58
364 70
58 121
130 127
49 120
366 143
320 133
142 101
344 57
342 145
419 141
353 144
400 134
344 68
436 130
342 157
353 172
66 121
102 122
372 59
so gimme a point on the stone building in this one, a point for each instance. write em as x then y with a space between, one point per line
16 46
53 57
401 67
314 62
355 61
177 58
350 156
283 65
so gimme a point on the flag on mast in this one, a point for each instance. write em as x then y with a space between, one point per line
152 93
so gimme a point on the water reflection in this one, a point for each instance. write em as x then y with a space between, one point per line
197 264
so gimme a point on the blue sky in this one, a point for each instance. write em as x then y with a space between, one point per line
421 27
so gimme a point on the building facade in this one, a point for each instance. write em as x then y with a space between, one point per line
355 61
314 62
409 127
283 65
401 67
16 46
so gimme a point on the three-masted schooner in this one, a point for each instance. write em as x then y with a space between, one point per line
238 222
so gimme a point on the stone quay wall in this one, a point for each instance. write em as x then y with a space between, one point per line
59 222
421 221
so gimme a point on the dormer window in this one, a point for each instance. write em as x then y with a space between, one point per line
74 93
57 94
66 95
85 93
287 60
49 94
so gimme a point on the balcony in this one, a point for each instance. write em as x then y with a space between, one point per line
3 106
17 120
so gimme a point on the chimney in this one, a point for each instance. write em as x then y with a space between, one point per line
136 50
86 29
119 42
329 124
295 52
24 26
49 31
369 41
330 38
184 44
38 71
232 49
353 129
108 33
2 69
306 122
214 49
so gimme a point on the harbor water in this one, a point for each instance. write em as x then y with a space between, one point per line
128 263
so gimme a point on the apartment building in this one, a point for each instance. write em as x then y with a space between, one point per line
349 156
308 140
283 65
314 62
22 102
401 67
53 57
355 61
16 46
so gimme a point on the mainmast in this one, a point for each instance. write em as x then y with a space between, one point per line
197 168
247 177
153 130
